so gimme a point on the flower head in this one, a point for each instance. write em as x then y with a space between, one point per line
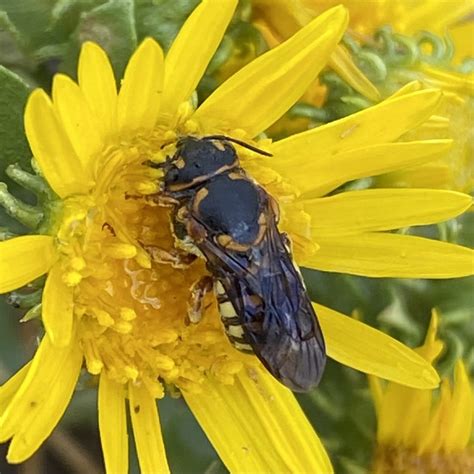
418 430
392 43
406 16
109 300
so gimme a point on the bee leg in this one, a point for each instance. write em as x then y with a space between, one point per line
287 242
196 300
175 257
162 200
158 199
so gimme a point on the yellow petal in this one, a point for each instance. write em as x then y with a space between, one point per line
283 17
438 15
261 92
23 259
327 175
256 425
435 430
97 82
192 50
382 123
80 125
364 348
382 209
113 425
312 159
448 81
408 88
11 386
462 34
403 416
432 346
376 391
147 431
41 399
140 95
461 416
435 174
52 149
342 62
57 309
391 255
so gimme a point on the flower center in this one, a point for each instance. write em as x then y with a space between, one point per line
400 459
131 311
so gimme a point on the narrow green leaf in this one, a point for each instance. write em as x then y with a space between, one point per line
13 145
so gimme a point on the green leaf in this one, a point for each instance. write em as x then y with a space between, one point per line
30 17
112 26
10 43
162 19
66 13
13 144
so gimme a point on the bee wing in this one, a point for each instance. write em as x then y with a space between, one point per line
290 342
270 299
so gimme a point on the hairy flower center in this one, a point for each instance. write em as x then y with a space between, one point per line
131 311
407 461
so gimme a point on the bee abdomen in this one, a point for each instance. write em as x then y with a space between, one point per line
232 326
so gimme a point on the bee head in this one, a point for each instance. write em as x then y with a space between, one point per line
196 160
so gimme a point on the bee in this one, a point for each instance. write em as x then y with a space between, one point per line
222 215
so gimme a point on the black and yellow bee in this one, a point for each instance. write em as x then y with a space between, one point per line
221 214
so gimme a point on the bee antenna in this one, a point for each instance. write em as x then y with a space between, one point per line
154 165
239 142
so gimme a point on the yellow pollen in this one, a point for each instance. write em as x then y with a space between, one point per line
120 251
169 136
154 387
166 336
147 187
77 263
143 259
128 314
72 278
185 109
103 317
190 127
123 327
164 362
132 372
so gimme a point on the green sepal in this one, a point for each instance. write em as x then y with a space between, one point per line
25 300
33 313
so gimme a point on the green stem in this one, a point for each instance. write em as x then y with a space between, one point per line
27 215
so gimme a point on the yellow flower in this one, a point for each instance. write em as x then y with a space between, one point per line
406 16
419 431
432 67
108 304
